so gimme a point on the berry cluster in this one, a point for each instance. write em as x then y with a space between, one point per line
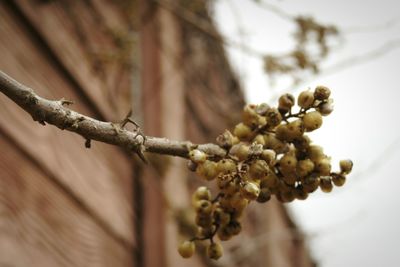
268 154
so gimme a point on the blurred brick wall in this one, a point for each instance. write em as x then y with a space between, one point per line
64 205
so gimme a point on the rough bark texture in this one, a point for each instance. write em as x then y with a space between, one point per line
53 112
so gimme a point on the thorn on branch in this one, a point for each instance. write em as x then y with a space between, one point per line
39 116
88 143
65 102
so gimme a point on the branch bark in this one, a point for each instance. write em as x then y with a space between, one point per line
54 112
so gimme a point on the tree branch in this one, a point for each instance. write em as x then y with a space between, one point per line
55 113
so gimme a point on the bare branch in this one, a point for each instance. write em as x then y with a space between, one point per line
55 113
372 28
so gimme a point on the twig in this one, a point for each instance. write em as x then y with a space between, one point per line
55 113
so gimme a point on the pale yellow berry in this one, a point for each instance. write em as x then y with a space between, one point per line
258 169
311 183
322 92
264 196
282 132
326 108
312 121
269 181
346 166
233 228
240 151
259 139
269 156
207 170
323 166
249 115
214 251
203 207
242 131
326 184
226 166
304 167
288 163
197 156
262 109
250 191
295 129
315 153
223 234
238 202
300 193
186 249
305 99
273 116
275 144
286 102
338 179
201 193
226 139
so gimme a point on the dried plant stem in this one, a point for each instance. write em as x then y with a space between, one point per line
55 113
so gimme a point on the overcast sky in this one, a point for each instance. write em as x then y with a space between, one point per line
358 224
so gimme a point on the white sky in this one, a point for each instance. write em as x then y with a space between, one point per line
358 224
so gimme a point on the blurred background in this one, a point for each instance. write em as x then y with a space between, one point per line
356 225
186 68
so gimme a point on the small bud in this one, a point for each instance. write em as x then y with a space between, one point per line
223 234
305 99
315 153
250 116
208 170
234 227
201 193
312 121
241 151
270 181
338 179
273 116
258 169
323 166
300 193
304 167
226 166
286 102
269 156
264 196
346 166
242 131
326 184
214 251
186 249
262 109
322 92
225 139
197 156
259 139
288 163
326 108
295 129
203 207
250 191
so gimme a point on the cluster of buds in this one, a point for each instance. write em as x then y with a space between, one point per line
269 154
